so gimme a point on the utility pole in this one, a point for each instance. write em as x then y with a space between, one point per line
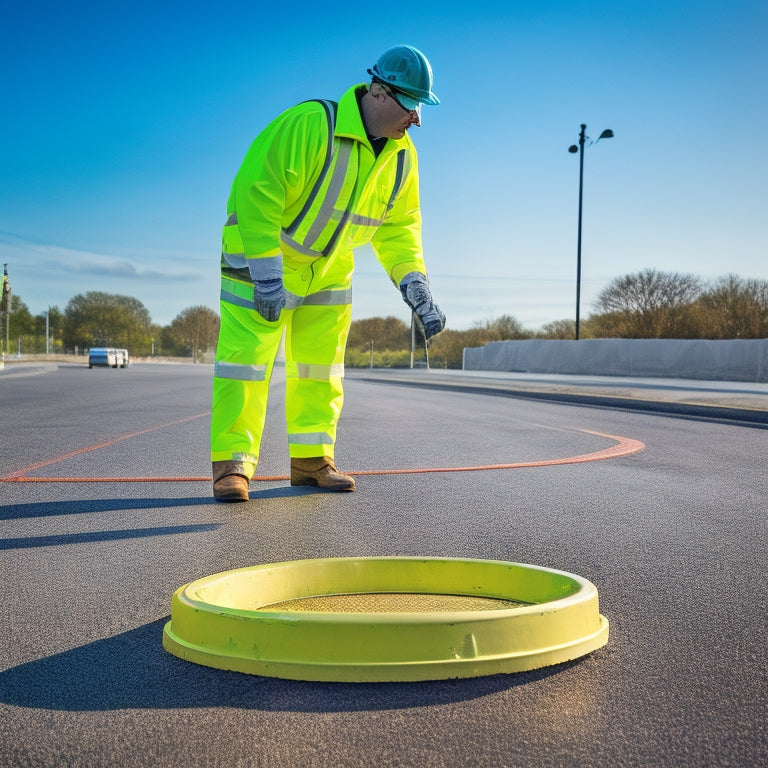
413 335
578 245
573 149
5 298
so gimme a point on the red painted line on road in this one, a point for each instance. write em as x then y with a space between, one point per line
624 446
90 448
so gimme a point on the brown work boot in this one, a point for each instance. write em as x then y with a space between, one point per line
319 472
230 481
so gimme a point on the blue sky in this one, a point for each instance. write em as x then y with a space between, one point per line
124 124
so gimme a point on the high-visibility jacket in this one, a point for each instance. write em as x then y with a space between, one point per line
299 197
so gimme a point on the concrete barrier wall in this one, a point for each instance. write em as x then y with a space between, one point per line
731 360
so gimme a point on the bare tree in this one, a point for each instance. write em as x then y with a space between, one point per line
735 308
559 329
646 305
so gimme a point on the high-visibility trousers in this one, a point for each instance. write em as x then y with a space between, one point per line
315 340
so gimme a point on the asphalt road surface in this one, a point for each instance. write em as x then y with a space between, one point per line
105 510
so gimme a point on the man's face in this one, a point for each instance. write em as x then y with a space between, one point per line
395 119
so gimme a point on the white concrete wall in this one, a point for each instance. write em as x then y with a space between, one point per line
731 360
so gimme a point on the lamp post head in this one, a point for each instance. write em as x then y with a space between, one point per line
606 134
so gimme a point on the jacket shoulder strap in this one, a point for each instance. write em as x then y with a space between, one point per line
331 109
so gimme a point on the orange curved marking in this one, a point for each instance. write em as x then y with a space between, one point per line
18 475
624 446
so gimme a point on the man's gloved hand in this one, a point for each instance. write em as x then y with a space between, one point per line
269 298
418 297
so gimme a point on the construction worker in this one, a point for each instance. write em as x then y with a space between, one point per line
319 181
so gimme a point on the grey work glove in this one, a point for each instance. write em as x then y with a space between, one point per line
269 298
418 297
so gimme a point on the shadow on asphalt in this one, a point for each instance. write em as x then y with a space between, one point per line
85 506
132 671
30 542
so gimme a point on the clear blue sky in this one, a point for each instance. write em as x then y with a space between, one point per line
124 123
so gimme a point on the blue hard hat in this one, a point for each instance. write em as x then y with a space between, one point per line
407 70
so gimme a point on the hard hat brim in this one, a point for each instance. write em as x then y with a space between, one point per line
414 102
408 99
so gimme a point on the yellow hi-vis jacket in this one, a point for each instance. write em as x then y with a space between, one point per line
299 197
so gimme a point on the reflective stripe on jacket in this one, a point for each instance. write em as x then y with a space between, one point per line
300 197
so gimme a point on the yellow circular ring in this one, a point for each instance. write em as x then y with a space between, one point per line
242 619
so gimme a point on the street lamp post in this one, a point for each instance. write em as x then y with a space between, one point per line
606 134
5 293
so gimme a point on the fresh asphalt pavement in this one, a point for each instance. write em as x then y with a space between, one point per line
105 510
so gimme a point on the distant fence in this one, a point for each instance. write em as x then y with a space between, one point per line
731 360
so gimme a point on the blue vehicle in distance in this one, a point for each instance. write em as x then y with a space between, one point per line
106 357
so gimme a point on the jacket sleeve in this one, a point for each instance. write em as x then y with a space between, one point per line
278 167
397 242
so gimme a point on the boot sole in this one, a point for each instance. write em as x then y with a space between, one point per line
314 484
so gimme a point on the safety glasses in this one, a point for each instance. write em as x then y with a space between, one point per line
403 100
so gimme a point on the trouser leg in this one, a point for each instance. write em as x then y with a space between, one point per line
244 358
316 338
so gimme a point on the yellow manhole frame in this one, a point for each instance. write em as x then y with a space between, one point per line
229 620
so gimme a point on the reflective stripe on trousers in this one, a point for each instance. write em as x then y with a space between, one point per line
240 371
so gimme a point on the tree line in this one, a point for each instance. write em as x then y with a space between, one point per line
650 304
97 319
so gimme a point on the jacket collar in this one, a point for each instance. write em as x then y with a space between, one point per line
349 122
